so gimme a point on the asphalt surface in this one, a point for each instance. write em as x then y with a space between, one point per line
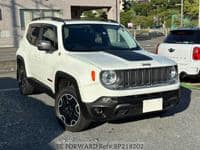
28 122
150 45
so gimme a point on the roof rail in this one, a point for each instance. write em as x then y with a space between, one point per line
63 20
49 18
106 20
110 20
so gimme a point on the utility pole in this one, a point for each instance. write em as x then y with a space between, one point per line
117 11
199 13
182 5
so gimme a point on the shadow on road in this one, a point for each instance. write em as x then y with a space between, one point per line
25 122
183 104
28 122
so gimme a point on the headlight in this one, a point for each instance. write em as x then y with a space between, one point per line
108 77
112 79
173 73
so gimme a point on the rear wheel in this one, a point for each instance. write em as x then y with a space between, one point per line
70 110
25 86
182 76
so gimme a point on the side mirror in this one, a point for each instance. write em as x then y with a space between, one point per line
45 46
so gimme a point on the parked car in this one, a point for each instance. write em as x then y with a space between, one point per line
95 70
183 46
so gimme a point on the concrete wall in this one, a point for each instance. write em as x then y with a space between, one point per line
10 26
112 14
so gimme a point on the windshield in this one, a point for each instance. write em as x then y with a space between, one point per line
97 37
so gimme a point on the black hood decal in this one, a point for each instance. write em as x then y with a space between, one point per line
129 55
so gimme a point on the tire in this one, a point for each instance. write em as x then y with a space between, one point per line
182 76
25 87
70 111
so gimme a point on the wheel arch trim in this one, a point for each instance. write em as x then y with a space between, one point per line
61 74
20 59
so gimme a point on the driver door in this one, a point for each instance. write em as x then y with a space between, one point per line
49 61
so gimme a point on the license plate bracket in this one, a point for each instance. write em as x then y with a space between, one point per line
152 105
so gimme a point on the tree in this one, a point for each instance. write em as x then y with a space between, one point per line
126 5
143 21
126 17
141 9
95 15
191 8
160 11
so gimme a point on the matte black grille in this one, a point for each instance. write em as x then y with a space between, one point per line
145 77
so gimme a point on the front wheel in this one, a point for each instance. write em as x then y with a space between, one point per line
70 111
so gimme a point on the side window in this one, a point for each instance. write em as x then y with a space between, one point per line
33 35
49 33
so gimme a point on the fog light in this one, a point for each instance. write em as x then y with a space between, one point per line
98 110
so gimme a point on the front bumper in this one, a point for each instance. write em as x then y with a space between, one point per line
111 108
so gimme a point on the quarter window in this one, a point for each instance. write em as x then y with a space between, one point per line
33 34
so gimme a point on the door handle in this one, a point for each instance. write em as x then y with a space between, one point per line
171 50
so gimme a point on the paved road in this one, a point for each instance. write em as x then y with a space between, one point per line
150 45
29 123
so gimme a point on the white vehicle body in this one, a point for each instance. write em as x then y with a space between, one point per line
182 51
86 69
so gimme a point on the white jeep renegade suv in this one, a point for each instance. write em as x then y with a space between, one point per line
95 70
